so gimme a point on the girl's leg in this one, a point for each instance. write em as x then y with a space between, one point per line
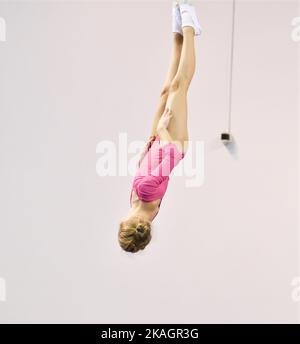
177 98
172 70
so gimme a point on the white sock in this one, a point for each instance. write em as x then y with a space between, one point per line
189 17
176 18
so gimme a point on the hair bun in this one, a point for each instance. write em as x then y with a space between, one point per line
140 229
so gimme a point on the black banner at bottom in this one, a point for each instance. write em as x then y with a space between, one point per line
151 333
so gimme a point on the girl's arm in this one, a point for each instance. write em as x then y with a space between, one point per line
159 112
161 130
163 125
150 140
165 135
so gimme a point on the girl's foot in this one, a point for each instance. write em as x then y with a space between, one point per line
176 18
189 16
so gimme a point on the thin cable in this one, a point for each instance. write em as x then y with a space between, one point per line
231 66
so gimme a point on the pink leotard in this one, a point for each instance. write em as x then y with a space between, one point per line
151 179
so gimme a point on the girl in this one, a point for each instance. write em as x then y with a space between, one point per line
167 143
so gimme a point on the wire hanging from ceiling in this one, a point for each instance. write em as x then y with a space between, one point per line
231 65
226 136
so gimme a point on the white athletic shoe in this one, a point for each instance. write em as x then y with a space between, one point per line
176 18
189 15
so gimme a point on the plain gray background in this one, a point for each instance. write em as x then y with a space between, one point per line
75 73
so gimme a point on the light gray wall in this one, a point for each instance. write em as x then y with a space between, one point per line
74 74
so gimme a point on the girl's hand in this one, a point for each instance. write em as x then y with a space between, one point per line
164 120
151 139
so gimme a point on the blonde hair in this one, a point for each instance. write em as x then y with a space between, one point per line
134 235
